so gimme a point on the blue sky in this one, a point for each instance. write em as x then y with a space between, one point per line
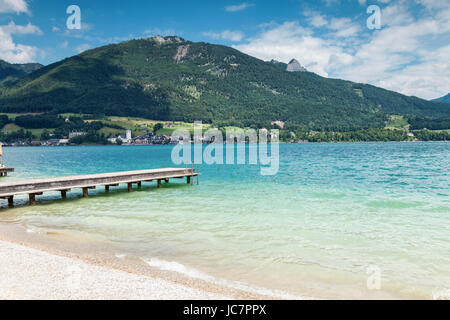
409 54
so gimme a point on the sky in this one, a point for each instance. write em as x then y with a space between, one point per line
408 53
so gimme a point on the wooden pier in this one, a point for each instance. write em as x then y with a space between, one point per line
4 171
37 187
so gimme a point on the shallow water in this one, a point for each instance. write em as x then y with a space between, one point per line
315 228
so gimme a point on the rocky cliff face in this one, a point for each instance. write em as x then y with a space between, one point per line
295 66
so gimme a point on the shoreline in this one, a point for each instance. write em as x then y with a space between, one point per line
281 142
31 258
73 268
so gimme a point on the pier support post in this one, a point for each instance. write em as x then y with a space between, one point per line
130 187
139 184
159 183
32 198
108 187
64 194
85 192
11 201
188 180
166 180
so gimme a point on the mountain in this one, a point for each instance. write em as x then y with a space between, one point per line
10 72
278 64
444 99
169 78
295 66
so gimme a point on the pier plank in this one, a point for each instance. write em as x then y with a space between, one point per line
85 182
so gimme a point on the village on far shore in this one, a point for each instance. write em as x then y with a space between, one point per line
77 130
140 132
125 139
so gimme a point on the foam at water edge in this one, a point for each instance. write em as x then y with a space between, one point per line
192 273
31 229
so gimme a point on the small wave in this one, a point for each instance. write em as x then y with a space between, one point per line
179 268
393 204
29 229
193 273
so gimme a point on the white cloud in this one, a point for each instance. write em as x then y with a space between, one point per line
409 55
225 35
341 27
13 52
238 7
364 2
434 4
84 28
82 33
83 47
64 45
317 20
331 2
12 28
344 27
291 40
10 50
427 79
16 6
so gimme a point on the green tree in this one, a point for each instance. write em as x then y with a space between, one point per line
157 127
45 135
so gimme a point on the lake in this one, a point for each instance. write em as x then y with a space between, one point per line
363 220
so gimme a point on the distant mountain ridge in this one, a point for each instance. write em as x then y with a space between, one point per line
444 99
169 78
10 72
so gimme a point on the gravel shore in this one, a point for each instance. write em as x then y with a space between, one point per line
28 273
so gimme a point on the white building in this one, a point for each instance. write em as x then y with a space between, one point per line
76 134
112 140
127 139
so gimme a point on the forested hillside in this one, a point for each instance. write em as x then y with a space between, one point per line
11 72
444 99
173 79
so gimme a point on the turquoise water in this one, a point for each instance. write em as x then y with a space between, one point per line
332 211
